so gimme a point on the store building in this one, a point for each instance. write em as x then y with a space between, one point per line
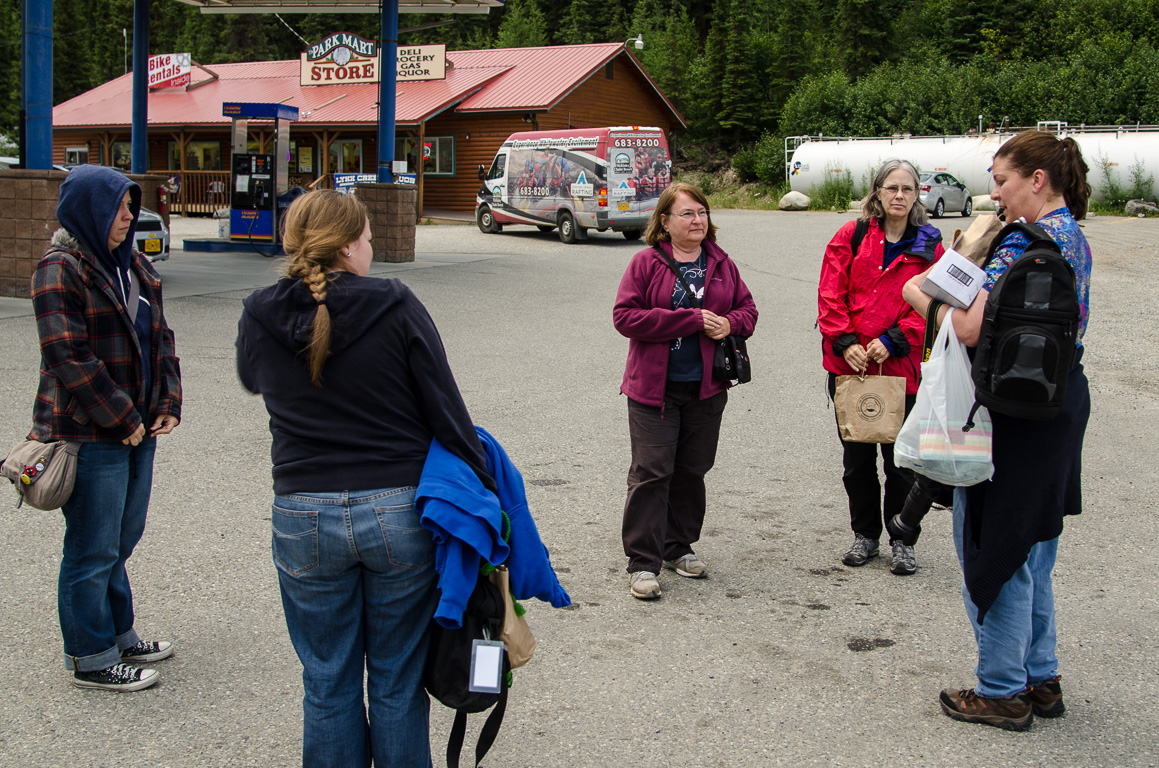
458 121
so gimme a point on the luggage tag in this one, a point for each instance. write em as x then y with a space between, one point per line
486 666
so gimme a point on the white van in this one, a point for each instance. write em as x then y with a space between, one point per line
575 180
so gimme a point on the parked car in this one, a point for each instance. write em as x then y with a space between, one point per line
942 193
152 236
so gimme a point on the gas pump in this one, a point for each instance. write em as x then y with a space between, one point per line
256 180
252 202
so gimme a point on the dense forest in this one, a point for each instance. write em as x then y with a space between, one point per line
743 72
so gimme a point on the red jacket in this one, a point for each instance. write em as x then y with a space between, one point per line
643 312
857 296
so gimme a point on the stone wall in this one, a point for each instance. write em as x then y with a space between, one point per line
392 219
28 219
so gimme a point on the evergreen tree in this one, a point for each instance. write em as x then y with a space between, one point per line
864 30
523 26
671 46
965 22
740 95
594 21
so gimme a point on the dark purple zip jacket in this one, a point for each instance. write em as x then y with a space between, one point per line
643 312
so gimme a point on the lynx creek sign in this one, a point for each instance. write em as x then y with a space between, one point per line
347 58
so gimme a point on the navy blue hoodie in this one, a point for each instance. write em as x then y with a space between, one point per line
90 199
387 388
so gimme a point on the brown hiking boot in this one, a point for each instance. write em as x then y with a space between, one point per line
1012 714
1046 698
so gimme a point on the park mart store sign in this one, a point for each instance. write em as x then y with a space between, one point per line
347 58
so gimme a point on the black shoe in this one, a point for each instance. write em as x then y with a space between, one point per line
904 563
147 650
119 677
862 551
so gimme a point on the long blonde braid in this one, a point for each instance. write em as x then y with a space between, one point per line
318 226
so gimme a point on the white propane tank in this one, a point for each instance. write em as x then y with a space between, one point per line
969 158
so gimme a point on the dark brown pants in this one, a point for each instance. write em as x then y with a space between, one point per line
672 450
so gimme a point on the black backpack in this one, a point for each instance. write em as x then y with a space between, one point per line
447 673
1026 347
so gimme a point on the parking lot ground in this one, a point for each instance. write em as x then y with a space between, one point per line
781 657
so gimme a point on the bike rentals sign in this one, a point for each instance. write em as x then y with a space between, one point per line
170 70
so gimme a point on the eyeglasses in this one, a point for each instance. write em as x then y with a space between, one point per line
892 191
690 215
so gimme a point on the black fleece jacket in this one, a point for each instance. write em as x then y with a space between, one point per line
387 388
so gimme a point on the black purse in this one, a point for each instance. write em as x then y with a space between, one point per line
730 361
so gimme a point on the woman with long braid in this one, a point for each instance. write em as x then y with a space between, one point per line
356 384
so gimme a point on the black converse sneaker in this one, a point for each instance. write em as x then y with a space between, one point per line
119 677
147 650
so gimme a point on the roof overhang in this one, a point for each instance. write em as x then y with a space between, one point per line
341 6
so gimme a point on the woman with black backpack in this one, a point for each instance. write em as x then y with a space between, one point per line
1006 529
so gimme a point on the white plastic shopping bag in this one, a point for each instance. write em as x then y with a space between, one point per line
931 440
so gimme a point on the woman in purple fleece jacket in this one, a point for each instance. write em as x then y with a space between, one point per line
674 404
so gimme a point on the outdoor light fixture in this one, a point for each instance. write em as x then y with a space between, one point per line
637 41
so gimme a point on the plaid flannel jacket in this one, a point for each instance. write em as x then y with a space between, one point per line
90 372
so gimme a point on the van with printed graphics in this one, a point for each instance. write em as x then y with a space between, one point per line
575 180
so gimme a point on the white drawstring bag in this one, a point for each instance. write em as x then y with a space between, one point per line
932 441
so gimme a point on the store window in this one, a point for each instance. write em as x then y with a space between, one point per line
122 155
404 149
76 156
200 156
302 157
346 156
440 156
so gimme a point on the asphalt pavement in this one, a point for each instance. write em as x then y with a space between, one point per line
783 656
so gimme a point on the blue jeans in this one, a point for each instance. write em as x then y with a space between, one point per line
104 519
1016 644
358 582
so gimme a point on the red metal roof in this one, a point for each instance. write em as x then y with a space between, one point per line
498 80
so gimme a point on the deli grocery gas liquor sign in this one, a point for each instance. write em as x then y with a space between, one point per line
347 58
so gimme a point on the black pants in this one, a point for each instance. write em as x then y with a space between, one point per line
672 450
867 515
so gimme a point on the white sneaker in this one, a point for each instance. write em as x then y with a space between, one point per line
689 566
643 585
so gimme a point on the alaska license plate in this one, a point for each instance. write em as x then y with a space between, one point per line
153 245
624 206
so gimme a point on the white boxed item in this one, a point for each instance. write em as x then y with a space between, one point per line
955 280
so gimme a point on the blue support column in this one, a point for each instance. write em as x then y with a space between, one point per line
140 136
388 53
36 84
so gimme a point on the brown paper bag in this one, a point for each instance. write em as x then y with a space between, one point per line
516 635
870 409
974 243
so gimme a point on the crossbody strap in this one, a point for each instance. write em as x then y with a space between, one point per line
134 300
931 328
688 290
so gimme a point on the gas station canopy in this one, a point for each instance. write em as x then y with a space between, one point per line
341 6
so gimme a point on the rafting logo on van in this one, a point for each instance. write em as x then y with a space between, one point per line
622 165
581 187
623 190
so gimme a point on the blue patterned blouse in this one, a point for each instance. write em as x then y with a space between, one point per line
1061 226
